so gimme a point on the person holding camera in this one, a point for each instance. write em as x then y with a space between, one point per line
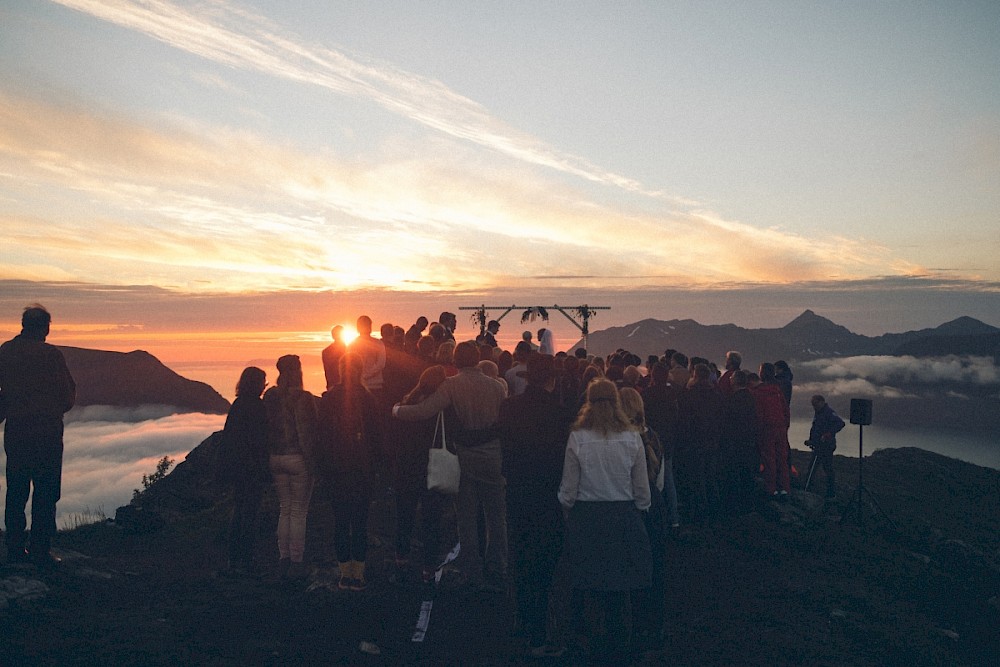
823 439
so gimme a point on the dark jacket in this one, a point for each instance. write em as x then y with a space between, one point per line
34 379
662 414
246 433
349 434
534 429
740 423
826 421
700 407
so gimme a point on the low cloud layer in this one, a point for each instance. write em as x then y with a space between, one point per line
105 458
881 370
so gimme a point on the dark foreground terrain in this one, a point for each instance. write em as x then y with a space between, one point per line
795 584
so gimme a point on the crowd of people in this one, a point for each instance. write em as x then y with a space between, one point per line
566 460
588 461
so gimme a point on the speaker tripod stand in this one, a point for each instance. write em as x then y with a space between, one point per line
858 499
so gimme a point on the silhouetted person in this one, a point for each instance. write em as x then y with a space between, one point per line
350 432
733 362
546 343
450 323
246 426
661 412
38 389
413 441
823 439
534 428
700 408
413 334
476 400
372 353
772 430
648 604
526 336
331 356
739 446
291 444
491 332
783 376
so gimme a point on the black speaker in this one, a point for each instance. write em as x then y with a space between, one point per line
861 411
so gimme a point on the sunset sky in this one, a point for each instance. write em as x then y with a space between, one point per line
204 179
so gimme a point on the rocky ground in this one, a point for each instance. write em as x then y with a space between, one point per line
801 583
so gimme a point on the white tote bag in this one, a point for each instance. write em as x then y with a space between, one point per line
442 466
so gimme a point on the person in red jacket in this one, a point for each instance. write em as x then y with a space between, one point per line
773 420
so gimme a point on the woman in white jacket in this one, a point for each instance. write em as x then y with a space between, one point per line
604 491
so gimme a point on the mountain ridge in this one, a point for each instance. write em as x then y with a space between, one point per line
807 336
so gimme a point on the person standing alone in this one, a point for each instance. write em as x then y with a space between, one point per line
37 389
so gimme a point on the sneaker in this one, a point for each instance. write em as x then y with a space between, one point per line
358 585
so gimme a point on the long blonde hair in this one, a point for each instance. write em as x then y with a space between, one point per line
603 410
635 409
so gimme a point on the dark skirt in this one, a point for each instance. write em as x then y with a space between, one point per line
607 547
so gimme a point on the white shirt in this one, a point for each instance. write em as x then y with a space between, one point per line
516 383
604 468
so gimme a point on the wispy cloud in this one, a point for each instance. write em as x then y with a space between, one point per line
441 195
219 209
239 39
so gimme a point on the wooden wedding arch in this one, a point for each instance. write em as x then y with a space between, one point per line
578 315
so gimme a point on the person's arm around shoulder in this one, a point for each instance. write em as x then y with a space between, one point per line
425 409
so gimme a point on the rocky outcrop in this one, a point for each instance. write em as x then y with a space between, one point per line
131 379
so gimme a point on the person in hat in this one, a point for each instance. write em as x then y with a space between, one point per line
534 427
291 444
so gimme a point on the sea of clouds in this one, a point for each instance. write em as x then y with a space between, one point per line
898 377
109 449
